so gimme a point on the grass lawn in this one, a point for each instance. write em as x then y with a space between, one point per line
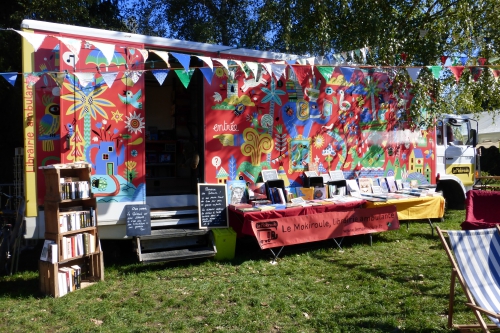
399 284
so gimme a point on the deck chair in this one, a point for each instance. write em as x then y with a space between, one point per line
475 257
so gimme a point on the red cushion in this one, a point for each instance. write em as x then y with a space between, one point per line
482 209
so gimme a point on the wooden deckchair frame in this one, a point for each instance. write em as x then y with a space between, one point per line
476 309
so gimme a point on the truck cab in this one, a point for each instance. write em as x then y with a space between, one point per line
456 158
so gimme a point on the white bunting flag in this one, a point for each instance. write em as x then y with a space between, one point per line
163 55
267 66
107 50
144 53
74 45
223 62
208 61
279 70
240 63
109 78
85 78
34 39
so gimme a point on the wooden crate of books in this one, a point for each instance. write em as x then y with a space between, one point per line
71 256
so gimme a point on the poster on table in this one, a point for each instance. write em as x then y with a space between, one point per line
317 227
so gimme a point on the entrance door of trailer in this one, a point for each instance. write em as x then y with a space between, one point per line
174 130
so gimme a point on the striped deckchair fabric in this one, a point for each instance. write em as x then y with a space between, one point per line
475 257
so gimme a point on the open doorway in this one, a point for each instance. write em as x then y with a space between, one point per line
174 134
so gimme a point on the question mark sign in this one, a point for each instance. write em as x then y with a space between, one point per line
216 161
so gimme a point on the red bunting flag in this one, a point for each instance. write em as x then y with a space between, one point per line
457 71
443 59
481 61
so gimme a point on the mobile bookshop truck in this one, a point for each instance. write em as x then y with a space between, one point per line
156 116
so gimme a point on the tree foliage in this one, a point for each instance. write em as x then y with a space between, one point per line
91 13
399 34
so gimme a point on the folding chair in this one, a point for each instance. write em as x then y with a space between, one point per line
475 257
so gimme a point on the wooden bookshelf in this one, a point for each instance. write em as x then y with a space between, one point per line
80 227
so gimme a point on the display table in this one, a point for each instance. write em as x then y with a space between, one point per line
297 225
418 208
241 222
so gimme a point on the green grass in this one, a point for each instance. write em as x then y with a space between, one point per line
399 284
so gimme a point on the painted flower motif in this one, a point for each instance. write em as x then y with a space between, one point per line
135 123
217 97
219 72
134 153
86 100
130 165
95 139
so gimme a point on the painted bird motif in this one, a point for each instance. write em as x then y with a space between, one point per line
49 124
131 99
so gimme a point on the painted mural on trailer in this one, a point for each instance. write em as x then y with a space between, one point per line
349 121
97 118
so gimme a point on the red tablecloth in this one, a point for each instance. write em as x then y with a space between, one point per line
240 221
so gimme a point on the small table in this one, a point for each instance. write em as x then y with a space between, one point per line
418 208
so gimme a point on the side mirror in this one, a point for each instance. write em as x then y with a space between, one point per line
473 137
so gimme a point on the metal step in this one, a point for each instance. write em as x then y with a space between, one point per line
173 233
174 255
171 216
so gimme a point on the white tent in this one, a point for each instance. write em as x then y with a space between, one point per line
488 128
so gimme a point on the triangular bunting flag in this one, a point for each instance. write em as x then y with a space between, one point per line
109 78
326 71
208 61
10 77
58 78
443 59
303 73
184 59
310 61
481 61
254 67
493 59
207 73
133 75
31 78
436 71
267 66
185 76
463 60
74 45
403 56
457 71
363 52
278 70
160 75
476 73
145 54
496 72
414 72
347 72
163 55
85 78
107 50
223 62
34 39
240 63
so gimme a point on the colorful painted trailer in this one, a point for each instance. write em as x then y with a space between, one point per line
155 116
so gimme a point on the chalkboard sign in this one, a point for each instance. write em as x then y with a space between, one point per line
212 206
138 220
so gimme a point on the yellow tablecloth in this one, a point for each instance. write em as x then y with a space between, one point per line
414 208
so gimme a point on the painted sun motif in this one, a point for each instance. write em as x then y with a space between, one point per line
220 72
117 116
319 141
135 123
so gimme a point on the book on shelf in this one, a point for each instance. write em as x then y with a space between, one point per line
73 188
266 207
305 192
45 250
383 184
399 184
249 209
376 189
77 276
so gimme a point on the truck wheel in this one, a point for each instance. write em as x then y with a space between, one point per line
453 194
